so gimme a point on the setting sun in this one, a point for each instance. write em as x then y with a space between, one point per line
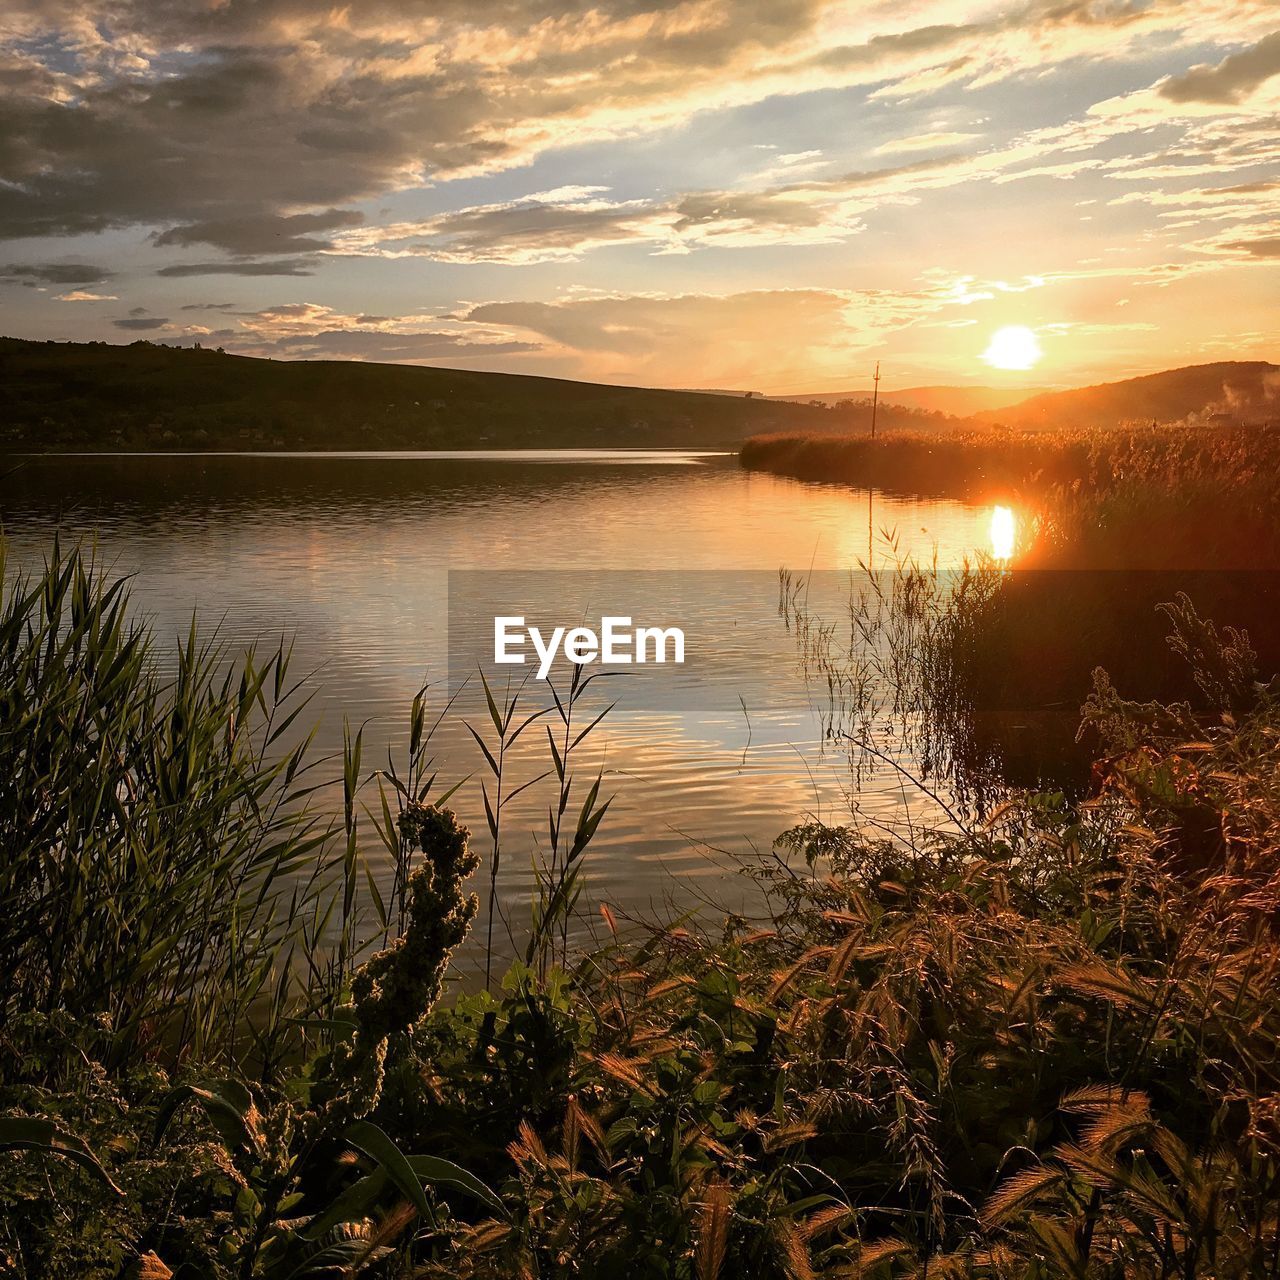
1013 347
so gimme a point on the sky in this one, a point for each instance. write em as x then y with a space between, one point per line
767 195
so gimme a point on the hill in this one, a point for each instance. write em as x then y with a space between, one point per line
146 396
954 401
1237 391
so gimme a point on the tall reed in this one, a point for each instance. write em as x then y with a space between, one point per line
163 871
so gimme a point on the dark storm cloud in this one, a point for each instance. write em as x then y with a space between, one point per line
283 267
141 323
1232 79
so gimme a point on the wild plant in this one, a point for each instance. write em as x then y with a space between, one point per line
412 787
1037 1043
321 1188
559 874
900 674
498 791
162 865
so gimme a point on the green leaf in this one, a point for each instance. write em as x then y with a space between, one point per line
365 1136
555 755
444 1173
493 707
488 755
228 1105
408 1173
22 1133
352 1205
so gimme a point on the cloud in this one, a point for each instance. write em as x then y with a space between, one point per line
83 295
1229 81
543 230
816 211
36 273
797 337
270 138
398 348
311 330
785 206
711 340
781 215
523 231
141 323
263 233
181 113
227 123
1266 247
925 142
282 267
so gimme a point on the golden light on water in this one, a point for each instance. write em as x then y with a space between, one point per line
1013 347
1004 531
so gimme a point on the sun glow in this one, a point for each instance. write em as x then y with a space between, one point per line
1004 533
1013 347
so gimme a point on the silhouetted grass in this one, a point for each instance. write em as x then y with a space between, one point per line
983 465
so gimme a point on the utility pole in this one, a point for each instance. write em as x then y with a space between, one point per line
871 493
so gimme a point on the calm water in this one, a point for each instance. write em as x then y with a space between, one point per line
351 553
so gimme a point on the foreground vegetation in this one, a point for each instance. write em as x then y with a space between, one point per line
1040 1045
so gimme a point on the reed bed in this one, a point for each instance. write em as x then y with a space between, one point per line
1141 497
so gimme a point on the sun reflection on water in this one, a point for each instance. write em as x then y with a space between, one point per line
1004 529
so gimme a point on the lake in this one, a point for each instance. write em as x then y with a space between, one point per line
350 554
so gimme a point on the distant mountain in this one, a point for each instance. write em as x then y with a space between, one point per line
64 395
959 402
1243 391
